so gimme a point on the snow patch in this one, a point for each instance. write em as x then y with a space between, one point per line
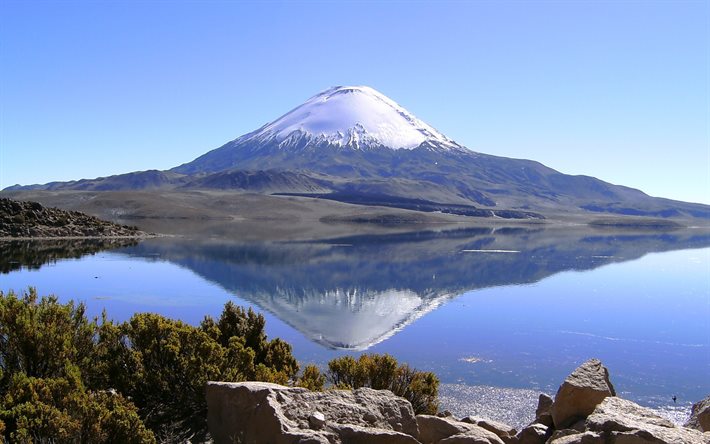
354 116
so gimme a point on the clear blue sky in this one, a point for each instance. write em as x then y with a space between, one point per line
613 89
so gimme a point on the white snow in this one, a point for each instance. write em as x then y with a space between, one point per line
353 116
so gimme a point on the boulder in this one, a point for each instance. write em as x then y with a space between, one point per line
580 393
542 412
501 430
473 436
576 438
700 416
435 429
544 403
352 434
620 421
258 412
535 433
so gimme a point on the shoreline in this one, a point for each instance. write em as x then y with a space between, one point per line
44 238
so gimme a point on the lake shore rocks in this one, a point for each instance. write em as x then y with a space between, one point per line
584 411
32 220
580 393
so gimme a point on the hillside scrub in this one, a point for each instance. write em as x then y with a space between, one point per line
67 378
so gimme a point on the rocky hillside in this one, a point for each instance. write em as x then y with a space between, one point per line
31 219
585 410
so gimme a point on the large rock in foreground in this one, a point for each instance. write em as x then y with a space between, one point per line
259 412
580 393
438 430
621 421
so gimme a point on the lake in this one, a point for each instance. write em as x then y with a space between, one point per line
500 314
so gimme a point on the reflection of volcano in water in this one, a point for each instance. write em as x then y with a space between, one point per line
354 292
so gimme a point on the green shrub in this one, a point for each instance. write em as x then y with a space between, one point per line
382 372
60 410
56 368
312 379
42 338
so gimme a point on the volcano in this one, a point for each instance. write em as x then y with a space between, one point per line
355 145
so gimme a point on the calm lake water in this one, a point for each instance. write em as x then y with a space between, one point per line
505 308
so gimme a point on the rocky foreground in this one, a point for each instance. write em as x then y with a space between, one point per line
585 410
31 219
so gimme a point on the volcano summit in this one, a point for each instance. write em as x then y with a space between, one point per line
355 145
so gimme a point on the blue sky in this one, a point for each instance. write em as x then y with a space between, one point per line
614 89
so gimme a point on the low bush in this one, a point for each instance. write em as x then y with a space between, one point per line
383 372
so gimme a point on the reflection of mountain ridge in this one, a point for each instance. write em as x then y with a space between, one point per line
32 254
354 292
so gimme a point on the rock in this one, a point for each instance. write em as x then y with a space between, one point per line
501 430
544 403
352 434
316 420
580 393
259 412
620 421
473 436
542 412
435 429
534 434
700 416
575 438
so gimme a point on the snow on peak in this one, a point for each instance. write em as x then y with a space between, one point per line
353 116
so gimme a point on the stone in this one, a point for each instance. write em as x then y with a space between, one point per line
576 438
535 433
544 403
352 434
316 420
700 416
501 430
621 421
259 412
584 389
434 429
473 436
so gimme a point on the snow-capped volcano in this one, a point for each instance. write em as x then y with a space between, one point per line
353 144
355 116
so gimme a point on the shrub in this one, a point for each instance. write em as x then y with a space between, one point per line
382 372
42 338
60 410
312 379
58 371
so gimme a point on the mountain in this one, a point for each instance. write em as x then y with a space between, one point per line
355 145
